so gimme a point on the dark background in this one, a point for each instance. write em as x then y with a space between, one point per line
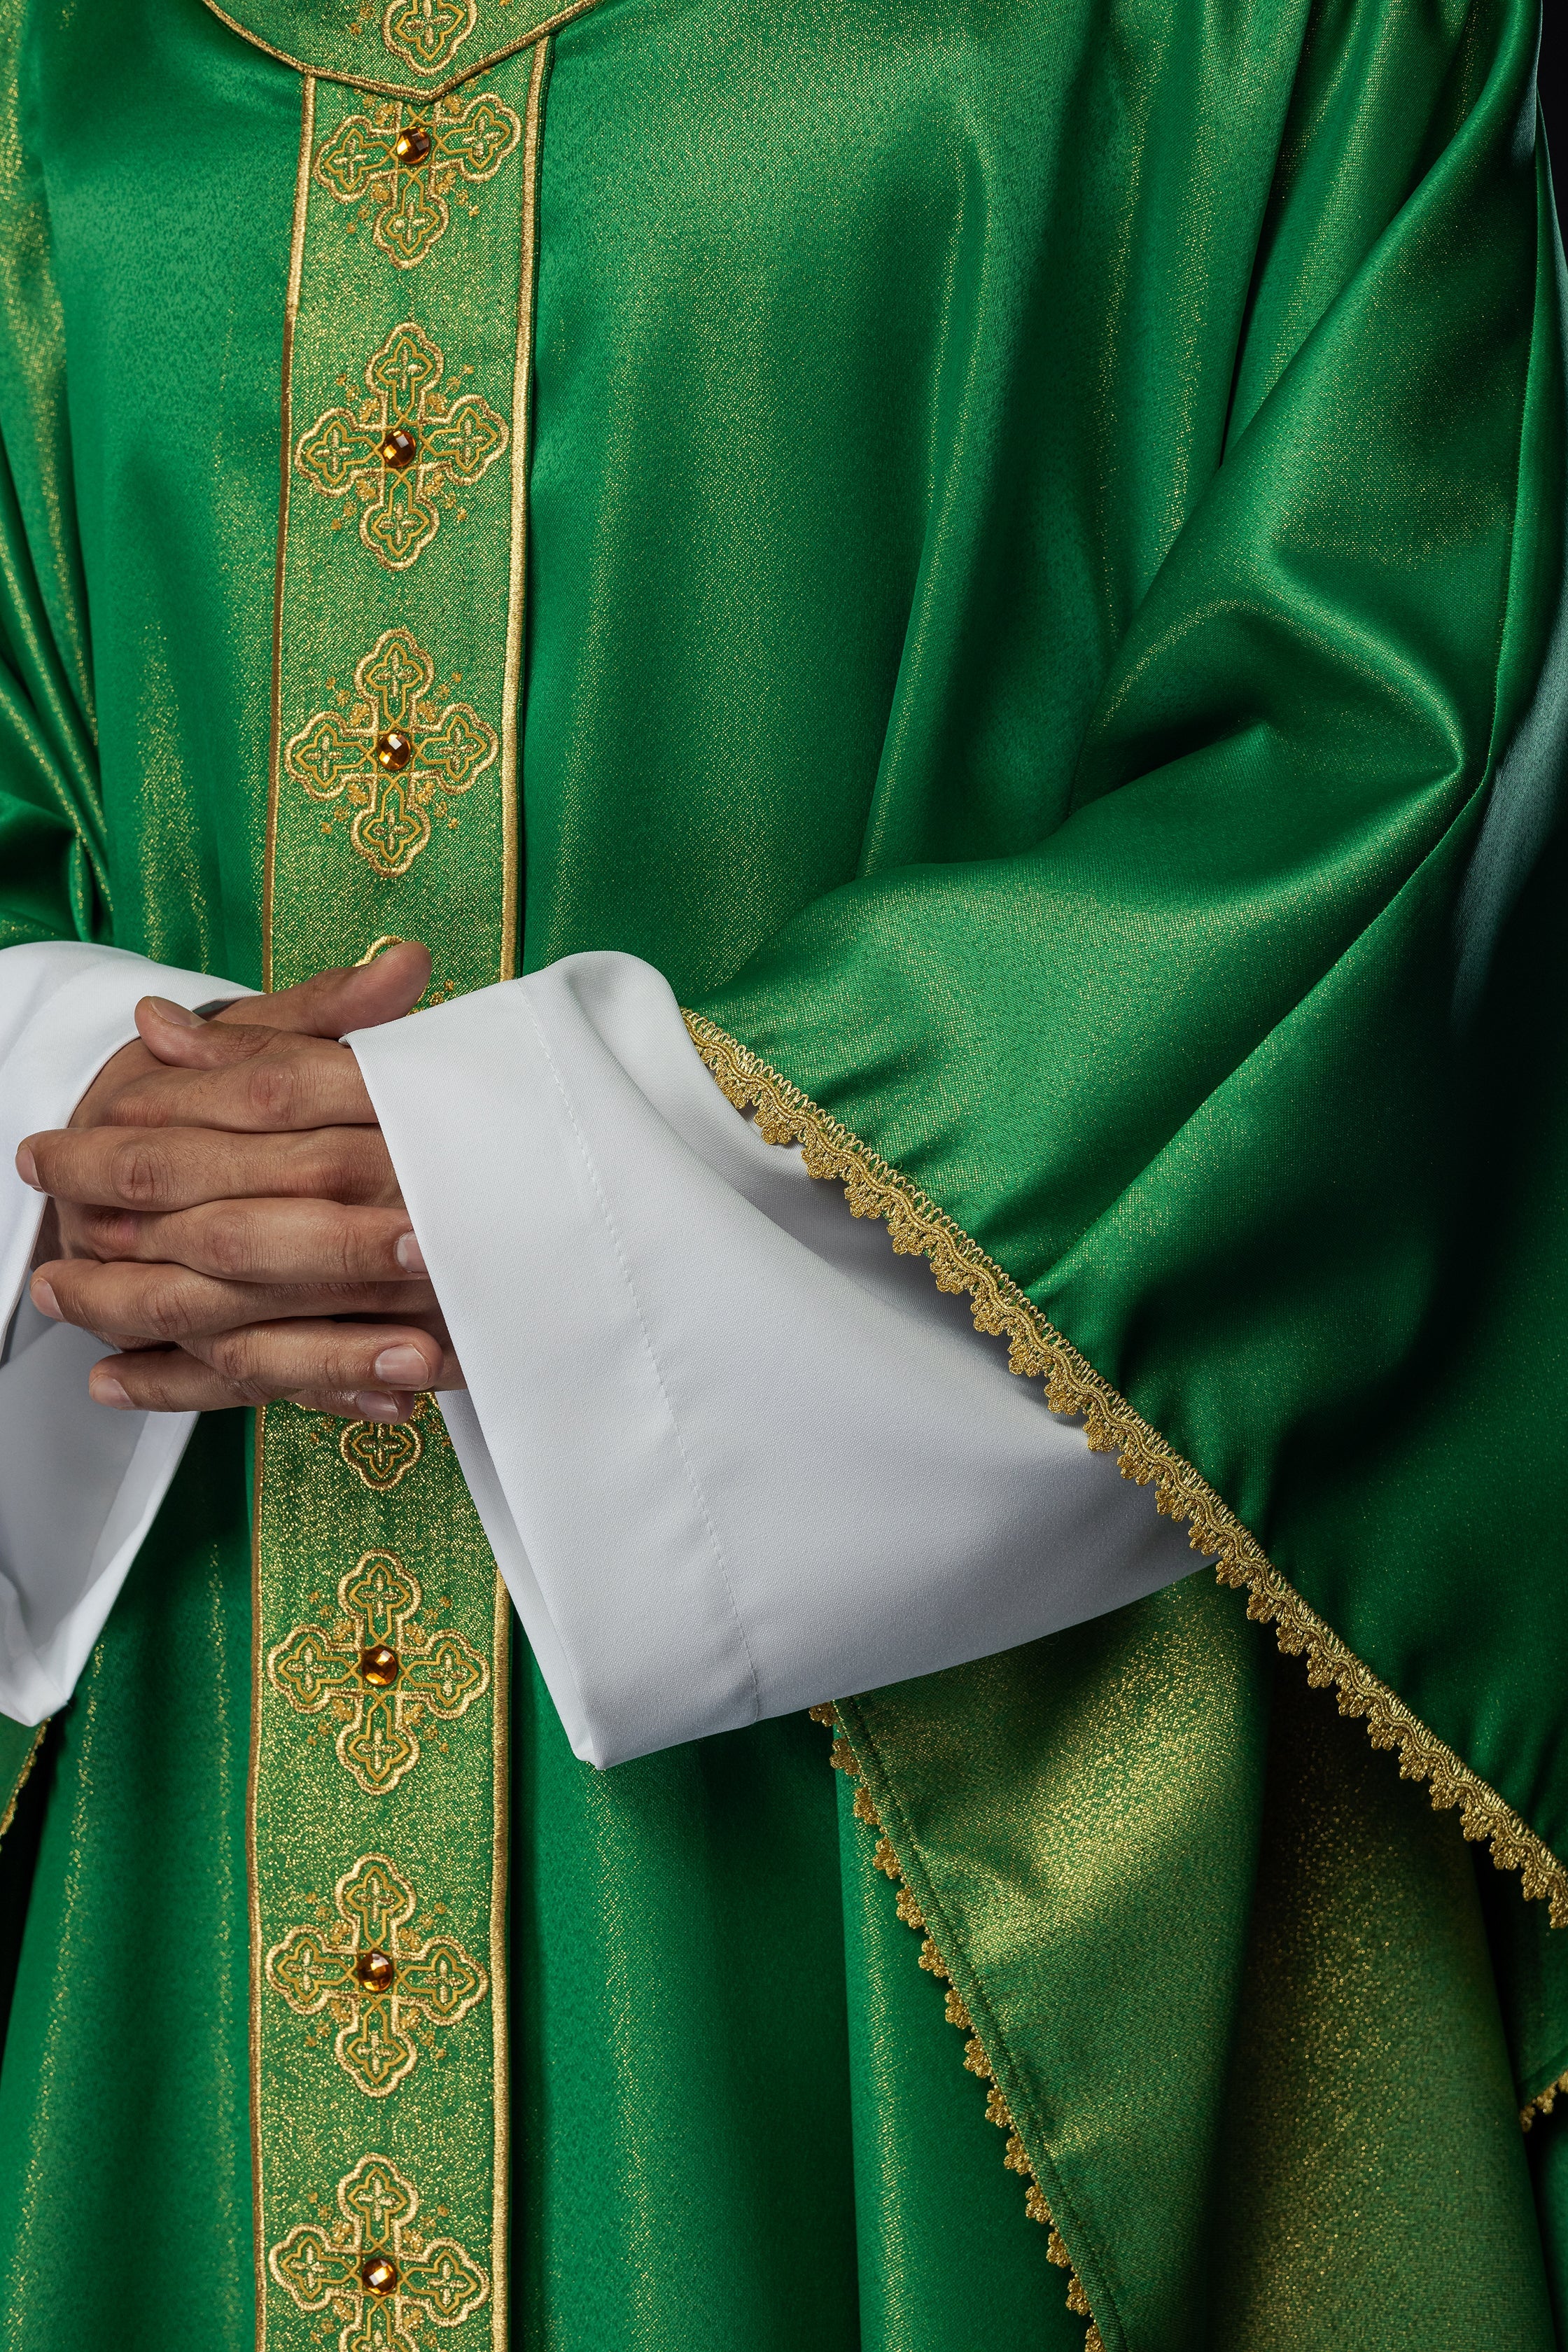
1555 98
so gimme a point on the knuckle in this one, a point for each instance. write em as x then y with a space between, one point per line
240 1358
233 1354
138 1174
228 1241
271 1092
164 1309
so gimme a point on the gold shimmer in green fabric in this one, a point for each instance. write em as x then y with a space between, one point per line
1370 2121
1077 1822
1231 1978
946 2255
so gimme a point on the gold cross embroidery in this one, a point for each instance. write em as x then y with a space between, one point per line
401 445
391 754
377 2273
381 1452
373 1977
379 1670
406 161
424 33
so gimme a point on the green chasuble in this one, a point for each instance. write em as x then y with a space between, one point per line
1015 550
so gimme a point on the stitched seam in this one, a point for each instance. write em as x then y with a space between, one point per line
699 1497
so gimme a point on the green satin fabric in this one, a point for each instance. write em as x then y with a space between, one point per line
1037 560
740 2116
1232 1977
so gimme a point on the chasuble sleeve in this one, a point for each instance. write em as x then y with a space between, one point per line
1247 1067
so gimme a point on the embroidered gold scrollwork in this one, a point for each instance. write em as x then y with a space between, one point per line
409 162
373 1977
379 1670
427 34
372 2270
392 755
400 447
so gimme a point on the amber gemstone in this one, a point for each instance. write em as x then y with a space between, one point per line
375 1971
380 1666
378 2273
398 450
412 144
394 751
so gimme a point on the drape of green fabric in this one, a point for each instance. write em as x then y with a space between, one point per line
1045 534
1253 1992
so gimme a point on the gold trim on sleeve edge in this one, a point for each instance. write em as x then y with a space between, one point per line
1543 2102
1036 1351
1014 2156
23 1777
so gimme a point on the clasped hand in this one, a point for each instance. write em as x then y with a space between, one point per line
223 1211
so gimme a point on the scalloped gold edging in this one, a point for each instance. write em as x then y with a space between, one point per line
1036 1351
1543 2102
23 1777
1015 2156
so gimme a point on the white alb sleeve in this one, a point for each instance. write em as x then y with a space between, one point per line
734 1456
80 1485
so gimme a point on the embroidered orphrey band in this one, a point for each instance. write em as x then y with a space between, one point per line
377 1834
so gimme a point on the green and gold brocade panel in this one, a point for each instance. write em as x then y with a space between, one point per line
379 1717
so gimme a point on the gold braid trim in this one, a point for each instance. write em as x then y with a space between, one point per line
997 2111
1036 1351
22 1777
1543 2102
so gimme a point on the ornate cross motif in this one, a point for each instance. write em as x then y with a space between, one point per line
401 445
407 161
379 1671
380 1452
374 1977
391 754
379 2275
426 33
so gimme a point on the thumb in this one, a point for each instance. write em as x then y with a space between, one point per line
329 1004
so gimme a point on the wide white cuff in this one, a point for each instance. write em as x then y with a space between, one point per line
80 1486
734 1456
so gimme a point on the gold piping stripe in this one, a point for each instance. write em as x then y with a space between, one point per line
290 313
23 1777
500 1864
253 1884
521 437
1015 2156
422 94
1038 1351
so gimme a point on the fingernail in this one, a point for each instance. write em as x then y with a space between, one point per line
44 1298
166 1010
410 1256
27 1170
372 1405
104 1388
401 1367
